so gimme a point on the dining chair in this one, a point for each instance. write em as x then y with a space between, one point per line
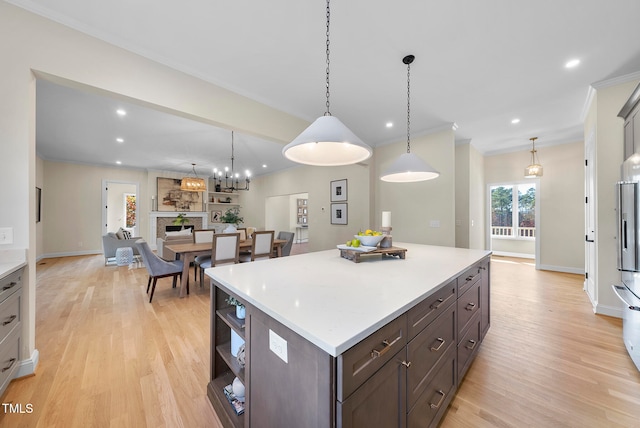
201 236
286 247
243 233
261 246
225 248
157 267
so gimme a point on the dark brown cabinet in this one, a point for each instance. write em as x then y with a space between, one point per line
405 374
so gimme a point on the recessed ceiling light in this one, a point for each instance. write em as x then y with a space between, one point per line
119 162
121 112
573 63
389 125
516 120
120 140
264 165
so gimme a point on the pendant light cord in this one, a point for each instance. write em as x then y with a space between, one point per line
408 107
328 113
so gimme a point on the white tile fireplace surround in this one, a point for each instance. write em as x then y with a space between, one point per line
158 220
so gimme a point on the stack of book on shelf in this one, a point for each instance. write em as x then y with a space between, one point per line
236 404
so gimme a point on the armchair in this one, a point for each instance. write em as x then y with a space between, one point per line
111 243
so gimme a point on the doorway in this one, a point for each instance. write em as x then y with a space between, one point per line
119 199
513 219
289 213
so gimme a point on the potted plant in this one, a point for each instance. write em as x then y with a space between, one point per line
240 309
181 220
232 216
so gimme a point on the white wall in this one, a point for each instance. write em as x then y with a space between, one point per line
314 181
414 206
470 200
560 198
602 117
31 45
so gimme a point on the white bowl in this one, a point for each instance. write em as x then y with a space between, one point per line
369 241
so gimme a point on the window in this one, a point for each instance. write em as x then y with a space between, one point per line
504 224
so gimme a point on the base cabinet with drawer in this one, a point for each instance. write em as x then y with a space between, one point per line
405 374
10 326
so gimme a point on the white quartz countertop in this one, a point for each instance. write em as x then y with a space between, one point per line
335 303
11 260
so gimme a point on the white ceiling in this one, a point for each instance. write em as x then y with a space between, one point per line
479 64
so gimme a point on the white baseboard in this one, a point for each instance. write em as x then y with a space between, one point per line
608 310
69 254
28 367
562 269
517 255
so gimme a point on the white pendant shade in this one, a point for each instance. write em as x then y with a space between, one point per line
327 142
409 168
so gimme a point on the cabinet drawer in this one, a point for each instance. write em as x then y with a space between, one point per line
433 402
468 306
423 313
468 345
427 350
360 362
9 359
380 402
10 283
468 278
10 315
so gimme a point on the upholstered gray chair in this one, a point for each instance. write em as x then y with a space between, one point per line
261 246
225 248
286 247
157 267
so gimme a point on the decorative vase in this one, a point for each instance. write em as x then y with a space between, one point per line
230 229
236 343
240 312
238 389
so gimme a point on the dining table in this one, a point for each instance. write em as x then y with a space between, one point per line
188 253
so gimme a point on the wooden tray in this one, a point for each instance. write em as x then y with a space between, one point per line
354 255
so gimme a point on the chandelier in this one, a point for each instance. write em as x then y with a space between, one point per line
534 169
230 182
193 184
408 167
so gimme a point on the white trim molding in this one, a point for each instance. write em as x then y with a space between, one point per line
28 366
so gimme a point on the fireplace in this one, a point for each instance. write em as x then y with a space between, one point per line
159 220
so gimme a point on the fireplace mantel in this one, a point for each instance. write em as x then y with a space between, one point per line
155 215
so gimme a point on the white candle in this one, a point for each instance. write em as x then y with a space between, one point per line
386 218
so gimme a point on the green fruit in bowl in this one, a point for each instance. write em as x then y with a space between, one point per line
355 243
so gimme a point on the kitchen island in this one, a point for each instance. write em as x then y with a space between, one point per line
330 342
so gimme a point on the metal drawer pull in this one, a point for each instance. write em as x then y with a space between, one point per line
473 345
435 406
10 320
470 277
436 306
407 364
441 340
11 285
375 353
11 362
470 306
483 268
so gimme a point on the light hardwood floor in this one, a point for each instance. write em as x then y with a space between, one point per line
108 358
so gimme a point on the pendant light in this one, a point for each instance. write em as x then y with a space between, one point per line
193 184
327 141
409 167
534 169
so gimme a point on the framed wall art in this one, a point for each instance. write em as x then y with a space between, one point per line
339 190
216 216
339 213
171 198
